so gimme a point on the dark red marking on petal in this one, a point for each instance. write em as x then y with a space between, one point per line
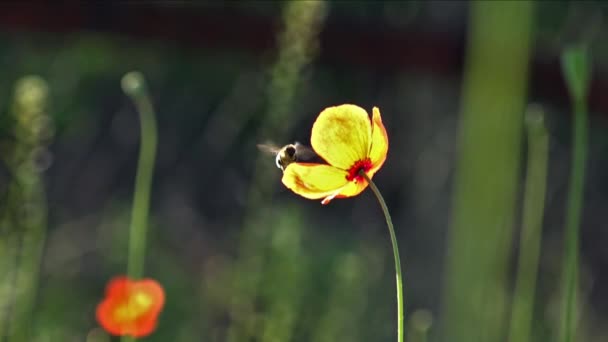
361 165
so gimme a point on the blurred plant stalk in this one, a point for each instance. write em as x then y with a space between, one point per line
352 278
23 216
480 239
420 322
530 236
134 86
576 67
297 46
284 279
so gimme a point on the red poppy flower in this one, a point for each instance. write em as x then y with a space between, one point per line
131 307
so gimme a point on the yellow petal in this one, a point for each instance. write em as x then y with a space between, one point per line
352 189
314 181
349 190
379 146
342 135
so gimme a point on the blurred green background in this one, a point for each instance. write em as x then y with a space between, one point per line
241 257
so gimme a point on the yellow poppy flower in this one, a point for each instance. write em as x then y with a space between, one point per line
346 138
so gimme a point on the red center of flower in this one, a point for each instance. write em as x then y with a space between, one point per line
361 165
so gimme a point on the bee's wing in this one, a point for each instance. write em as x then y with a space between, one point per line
269 148
305 153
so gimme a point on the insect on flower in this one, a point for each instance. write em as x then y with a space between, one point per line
351 143
131 307
289 153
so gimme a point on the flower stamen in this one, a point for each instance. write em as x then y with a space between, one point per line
354 173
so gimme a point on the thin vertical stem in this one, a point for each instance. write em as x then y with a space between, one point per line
576 68
533 208
573 219
398 275
134 85
143 177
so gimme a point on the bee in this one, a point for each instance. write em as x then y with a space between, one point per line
289 153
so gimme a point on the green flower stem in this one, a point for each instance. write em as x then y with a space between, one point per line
533 208
398 276
576 69
133 85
